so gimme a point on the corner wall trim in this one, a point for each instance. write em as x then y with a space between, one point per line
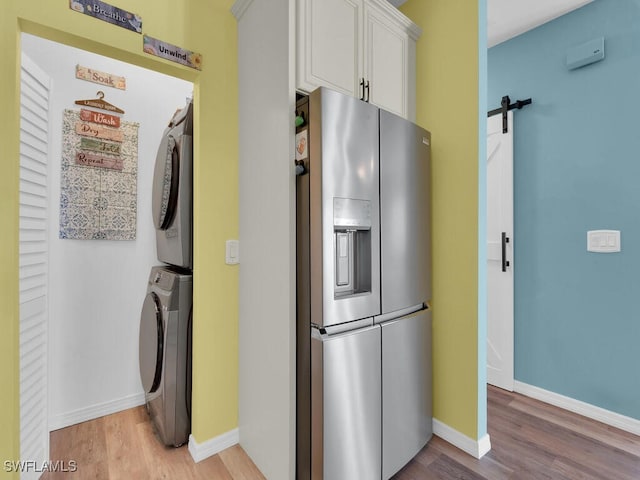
239 7
608 417
97 410
201 451
476 448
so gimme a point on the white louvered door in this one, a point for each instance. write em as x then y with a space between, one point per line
34 112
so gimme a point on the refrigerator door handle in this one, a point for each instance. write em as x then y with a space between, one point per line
505 262
398 313
344 327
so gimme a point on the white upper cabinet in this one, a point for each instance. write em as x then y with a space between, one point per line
386 62
364 48
329 38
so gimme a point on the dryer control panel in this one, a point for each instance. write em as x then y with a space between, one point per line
164 279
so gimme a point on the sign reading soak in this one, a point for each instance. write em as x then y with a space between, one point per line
94 160
100 118
108 13
165 50
102 78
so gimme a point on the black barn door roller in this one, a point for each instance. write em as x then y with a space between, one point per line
506 105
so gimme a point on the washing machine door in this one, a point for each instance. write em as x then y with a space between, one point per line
151 343
165 182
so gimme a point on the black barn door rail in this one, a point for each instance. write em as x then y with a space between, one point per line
506 105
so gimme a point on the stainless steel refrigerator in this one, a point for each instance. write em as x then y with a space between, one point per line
363 290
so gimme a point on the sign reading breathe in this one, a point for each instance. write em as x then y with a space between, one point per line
108 13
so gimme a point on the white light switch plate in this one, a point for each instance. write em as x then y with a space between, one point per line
603 241
232 252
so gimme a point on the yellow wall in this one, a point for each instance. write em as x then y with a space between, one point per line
447 105
205 26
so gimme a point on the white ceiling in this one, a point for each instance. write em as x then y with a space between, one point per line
509 18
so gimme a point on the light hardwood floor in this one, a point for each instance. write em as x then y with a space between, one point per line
123 446
529 439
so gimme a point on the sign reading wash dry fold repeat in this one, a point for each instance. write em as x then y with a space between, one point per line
98 179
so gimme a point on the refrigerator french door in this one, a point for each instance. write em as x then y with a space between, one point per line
363 266
405 289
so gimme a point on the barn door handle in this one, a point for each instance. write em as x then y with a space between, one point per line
362 88
366 87
505 262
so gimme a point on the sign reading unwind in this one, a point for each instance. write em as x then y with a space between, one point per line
165 50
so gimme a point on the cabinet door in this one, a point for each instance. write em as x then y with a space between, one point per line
329 37
386 61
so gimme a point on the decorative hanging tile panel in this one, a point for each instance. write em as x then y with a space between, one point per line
96 200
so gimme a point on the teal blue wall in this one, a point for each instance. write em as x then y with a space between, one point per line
576 168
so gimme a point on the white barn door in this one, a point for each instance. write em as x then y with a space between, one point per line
34 112
500 368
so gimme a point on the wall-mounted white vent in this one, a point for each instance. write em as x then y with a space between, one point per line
585 54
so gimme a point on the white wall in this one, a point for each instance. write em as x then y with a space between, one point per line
96 287
266 46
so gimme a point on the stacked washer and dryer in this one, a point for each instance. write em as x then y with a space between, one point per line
165 323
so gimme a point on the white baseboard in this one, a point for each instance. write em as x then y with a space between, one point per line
608 417
97 410
476 448
200 451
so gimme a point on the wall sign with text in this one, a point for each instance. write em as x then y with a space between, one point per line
165 50
108 13
99 118
87 143
98 179
101 78
98 131
101 161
